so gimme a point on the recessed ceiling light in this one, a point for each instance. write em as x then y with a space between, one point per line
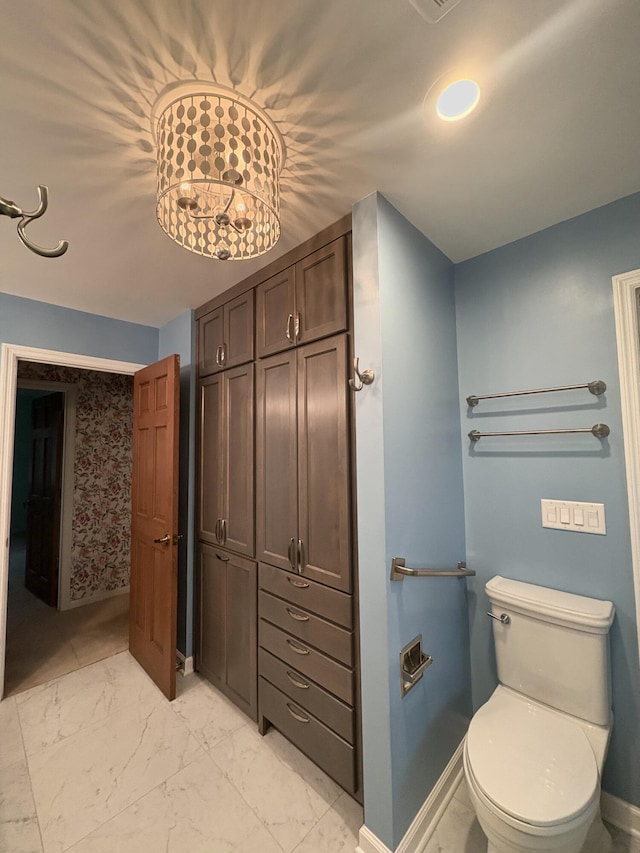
458 100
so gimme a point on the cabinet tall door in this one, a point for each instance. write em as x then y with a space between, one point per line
237 454
275 314
238 330
212 462
210 340
323 462
227 635
276 460
321 292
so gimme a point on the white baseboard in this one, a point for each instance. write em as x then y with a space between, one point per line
424 823
98 596
186 663
614 810
621 814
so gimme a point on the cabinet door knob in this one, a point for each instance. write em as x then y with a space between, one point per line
288 329
300 555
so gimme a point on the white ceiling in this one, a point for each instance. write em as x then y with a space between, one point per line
556 133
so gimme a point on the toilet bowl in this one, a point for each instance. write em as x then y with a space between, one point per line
534 752
533 776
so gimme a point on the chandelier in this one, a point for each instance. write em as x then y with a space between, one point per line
219 163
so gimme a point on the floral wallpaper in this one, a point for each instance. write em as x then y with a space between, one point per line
101 540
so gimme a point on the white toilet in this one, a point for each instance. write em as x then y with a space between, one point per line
534 752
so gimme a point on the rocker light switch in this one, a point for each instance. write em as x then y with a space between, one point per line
573 515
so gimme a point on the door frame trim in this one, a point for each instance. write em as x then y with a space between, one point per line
626 295
10 355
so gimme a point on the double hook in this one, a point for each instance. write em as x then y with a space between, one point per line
9 208
366 377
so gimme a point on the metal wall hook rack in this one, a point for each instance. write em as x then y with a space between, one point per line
399 571
366 377
597 430
597 387
11 209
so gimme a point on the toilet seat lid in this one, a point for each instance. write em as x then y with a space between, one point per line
531 763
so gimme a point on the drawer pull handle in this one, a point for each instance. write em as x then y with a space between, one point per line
299 617
299 584
297 716
299 650
296 683
224 559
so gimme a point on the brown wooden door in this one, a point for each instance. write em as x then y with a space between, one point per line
321 292
275 314
45 498
154 521
323 463
276 458
228 645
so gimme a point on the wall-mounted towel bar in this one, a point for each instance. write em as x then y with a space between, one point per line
597 430
399 570
596 387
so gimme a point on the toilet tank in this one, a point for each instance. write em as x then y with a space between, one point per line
555 647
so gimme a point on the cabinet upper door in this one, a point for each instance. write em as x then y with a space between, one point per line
321 292
210 340
237 455
275 314
276 460
323 463
238 330
225 335
212 463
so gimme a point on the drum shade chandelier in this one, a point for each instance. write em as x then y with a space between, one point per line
219 163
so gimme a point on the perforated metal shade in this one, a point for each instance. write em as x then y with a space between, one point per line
219 162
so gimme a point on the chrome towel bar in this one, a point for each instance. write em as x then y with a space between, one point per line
399 570
597 430
596 387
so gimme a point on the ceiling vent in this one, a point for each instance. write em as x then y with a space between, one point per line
433 10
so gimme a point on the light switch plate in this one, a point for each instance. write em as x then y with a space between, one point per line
573 515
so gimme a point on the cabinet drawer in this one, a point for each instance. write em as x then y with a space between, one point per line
329 710
325 636
334 755
328 673
320 599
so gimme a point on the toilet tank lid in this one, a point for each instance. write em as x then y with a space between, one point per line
552 605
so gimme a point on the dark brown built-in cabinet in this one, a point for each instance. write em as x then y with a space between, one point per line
277 625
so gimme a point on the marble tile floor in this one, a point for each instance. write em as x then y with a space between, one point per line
97 761
44 643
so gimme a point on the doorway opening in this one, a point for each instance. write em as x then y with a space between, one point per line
74 588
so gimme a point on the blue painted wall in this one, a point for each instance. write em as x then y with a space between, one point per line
534 314
410 504
27 322
178 336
